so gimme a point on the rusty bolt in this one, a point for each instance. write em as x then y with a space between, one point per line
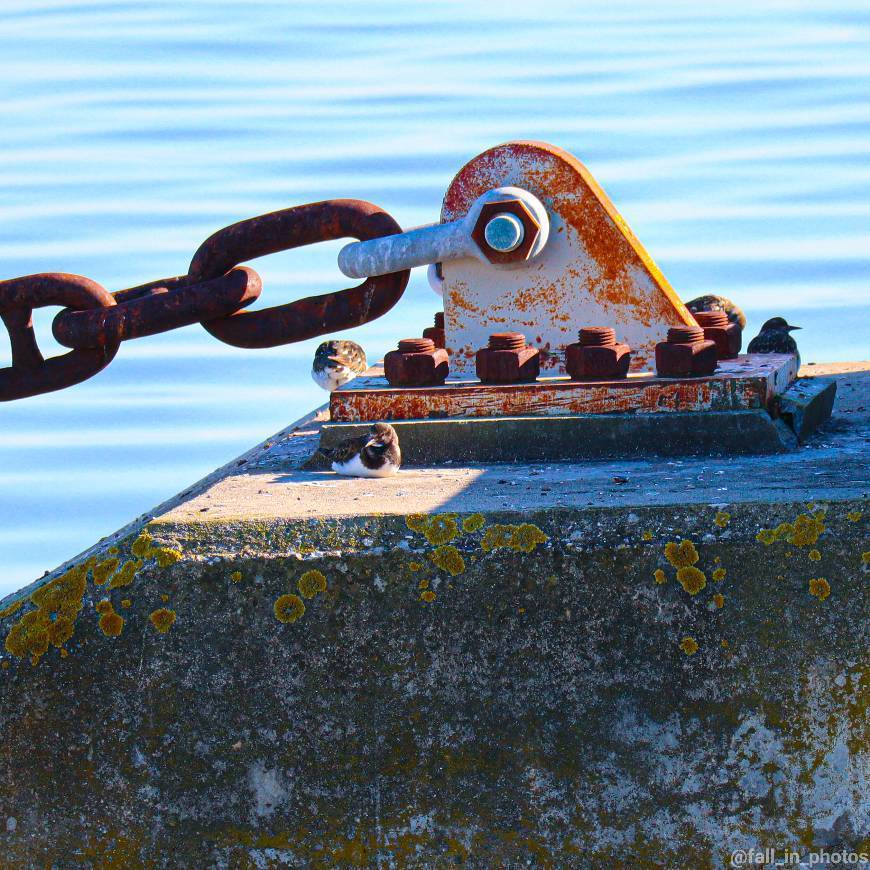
727 335
436 332
416 363
510 222
597 356
686 353
508 360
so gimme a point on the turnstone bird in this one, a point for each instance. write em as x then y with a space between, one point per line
718 303
336 362
774 338
374 455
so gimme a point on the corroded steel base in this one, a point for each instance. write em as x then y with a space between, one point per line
745 383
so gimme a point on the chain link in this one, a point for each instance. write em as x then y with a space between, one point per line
215 291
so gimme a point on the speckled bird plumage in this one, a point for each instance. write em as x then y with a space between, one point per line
712 302
336 362
376 454
774 338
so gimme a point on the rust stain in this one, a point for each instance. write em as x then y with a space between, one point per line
745 385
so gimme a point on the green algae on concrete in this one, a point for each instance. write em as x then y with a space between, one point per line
562 700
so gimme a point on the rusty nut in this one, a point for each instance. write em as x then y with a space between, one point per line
513 208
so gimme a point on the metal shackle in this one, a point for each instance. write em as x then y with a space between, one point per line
505 228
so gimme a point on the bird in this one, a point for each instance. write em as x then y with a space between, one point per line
376 454
336 362
718 303
774 338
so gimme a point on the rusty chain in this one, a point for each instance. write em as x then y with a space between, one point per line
214 292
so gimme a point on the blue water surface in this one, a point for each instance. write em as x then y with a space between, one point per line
734 137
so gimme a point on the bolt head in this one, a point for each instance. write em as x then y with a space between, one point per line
502 214
504 232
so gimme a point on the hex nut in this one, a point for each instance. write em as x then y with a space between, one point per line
531 229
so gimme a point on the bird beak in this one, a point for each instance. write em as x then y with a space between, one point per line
338 359
793 327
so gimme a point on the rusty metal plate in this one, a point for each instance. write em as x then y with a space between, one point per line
593 271
745 383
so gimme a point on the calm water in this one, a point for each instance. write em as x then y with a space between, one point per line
733 137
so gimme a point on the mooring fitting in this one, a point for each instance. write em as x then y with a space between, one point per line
508 360
597 356
416 363
436 332
727 335
686 353
505 227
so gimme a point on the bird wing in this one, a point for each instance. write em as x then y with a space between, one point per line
347 449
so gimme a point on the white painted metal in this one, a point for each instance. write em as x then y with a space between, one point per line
592 272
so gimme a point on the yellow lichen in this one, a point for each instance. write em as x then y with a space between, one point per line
111 623
719 600
527 537
162 619
691 579
865 558
815 555
722 519
522 538
29 636
497 537
103 606
12 608
428 596
58 604
164 597
167 556
689 646
312 583
766 537
807 529
126 602
141 547
415 522
449 559
820 588
102 570
60 631
423 584
718 574
854 516
236 576
473 523
660 576
441 529
125 574
681 555
288 608
4 664
647 536
113 551
414 566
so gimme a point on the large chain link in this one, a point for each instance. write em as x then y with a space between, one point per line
94 322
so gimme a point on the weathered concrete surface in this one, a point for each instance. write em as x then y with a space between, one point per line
492 674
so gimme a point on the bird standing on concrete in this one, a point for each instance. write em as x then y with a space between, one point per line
718 303
374 455
336 362
774 338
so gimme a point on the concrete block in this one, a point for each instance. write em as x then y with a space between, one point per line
580 436
806 404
